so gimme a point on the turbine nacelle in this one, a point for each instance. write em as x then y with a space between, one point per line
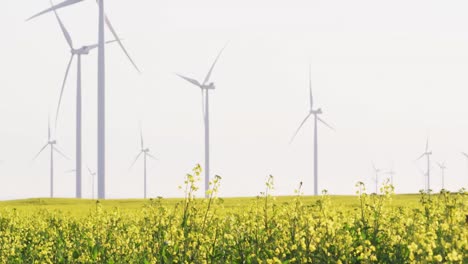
146 150
81 51
52 142
210 86
316 112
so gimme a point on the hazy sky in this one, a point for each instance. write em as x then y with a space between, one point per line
386 73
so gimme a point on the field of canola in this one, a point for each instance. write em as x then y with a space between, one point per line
263 230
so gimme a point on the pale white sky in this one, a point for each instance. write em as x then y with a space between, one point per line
386 73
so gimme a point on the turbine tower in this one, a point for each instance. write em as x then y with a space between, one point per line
53 148
315 112
442 167
427 154
377 173
103 20
78 53
146 153
205 87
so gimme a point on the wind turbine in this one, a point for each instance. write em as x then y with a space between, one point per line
465 155
53 148
205 86
315 113
427 154
103 20
377 172
442 169
146 153
78 53
93 176
392 173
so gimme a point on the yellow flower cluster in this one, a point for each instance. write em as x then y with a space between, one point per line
203 231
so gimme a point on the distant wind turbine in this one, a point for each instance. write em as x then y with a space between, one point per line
392 173
442 167
93 181
53 148
315 113
146 153
465 155
103 20
376 179
427 154
74 52
205 86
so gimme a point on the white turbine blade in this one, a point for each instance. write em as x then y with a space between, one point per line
63 88
63 28
141 138
190 80
207 78
325 123
109 25
56 7
56 149
310 87
427 145
420 157
97 45
297 131
465 154
373 166
136 159
151 156
48 130
90 171
39 153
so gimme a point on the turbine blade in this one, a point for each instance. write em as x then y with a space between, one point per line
465 154
97 45
420 157
63 88
48 130
136 159
310 87
207 78
190 80
302 124
427 144
39 153
151 156
63 28
60 152
141 138
111 28
90 171
325 123
56 7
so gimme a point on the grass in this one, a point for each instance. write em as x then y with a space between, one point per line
82 207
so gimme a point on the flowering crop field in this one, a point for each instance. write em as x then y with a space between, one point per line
366 228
